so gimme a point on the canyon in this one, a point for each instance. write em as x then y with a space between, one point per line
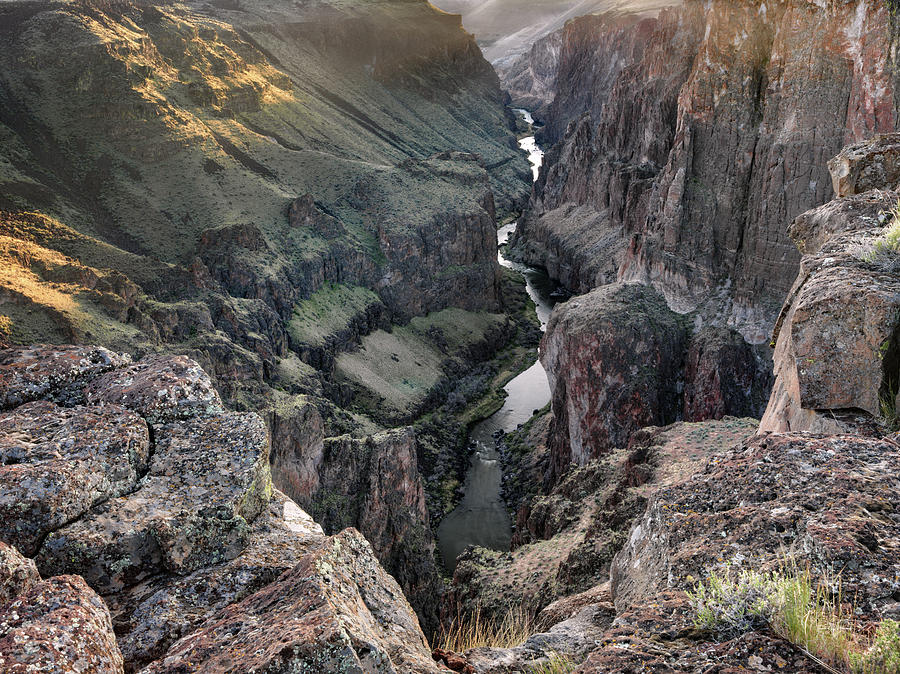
326 327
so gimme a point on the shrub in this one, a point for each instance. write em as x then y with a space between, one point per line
733 603
807 614
885 251
884 653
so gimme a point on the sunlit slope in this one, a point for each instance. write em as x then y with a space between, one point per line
146 129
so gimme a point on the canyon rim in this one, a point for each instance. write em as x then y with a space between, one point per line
481 336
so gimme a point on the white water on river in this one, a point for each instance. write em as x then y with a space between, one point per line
481 517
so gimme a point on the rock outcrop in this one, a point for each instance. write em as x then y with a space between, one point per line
687 142
566 539
58 625
614 360
372 484
836 358
167 510
619 359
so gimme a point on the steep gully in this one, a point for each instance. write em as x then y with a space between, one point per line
481 517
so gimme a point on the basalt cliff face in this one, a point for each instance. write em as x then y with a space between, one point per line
301 198
683 144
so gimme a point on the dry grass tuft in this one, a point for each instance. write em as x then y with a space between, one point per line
479 631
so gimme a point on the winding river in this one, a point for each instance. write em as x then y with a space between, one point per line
481 517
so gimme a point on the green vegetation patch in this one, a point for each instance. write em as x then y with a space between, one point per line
328 311
809 614
396 372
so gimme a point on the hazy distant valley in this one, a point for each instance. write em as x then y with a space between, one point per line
366 336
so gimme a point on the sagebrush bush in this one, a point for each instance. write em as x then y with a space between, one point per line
808 614
885 250
732 603
883 656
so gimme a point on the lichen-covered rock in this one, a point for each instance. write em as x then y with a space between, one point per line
837 354
659 636
58 626
58 372
153 614
872 164
209 477
17 574
161 388
337 610
614 359
826 498
56 463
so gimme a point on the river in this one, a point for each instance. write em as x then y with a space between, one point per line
481 517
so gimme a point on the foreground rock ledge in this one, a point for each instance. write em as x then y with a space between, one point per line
138 485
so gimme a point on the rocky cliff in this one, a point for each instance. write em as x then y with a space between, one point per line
618 359
685 143
262 188
836 359
814 487
132 478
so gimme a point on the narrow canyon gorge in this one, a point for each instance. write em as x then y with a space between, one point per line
500 338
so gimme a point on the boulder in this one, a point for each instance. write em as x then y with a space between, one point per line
872 164
836 358
337 610
150 616
208 479
58 625
17 574
614 360
38 371
161 388
56 463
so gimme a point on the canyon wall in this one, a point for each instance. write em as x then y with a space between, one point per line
685 144
260 187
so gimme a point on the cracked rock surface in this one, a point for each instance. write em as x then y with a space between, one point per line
147 506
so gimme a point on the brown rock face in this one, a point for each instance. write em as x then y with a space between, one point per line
724 375
17 574
713 134
58 625
373 484
770 494
614 359
317 617
836 339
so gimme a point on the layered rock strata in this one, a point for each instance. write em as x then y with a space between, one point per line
687 142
